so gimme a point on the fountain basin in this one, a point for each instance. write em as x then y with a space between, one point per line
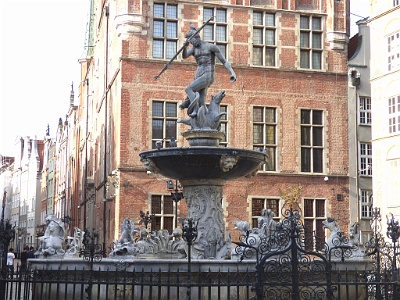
203 162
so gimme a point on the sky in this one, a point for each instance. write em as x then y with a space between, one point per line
41 43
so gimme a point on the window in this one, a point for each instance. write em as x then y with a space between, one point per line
223 126
264 39
312 137
365 159
216 30
165 30
364 110
311 42
258 204
394 52
394 114
163 209
164 122
366 204
314 214
392 171
264 134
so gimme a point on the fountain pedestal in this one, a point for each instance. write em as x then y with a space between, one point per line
203 170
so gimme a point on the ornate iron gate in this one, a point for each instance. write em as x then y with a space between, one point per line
291 262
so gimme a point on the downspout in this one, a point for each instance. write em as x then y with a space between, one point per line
355 82
105 136
86 153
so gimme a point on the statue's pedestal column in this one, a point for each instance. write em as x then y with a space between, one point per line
204 207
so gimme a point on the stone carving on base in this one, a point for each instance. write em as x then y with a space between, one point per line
205 209
75 243
335 236
177 244
126 244
51 244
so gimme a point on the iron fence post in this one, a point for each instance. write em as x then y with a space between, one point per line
189 229
294 258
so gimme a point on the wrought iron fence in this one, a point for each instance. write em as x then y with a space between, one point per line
224 284
122 285
286 262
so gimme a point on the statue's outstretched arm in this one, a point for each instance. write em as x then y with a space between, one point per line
225 63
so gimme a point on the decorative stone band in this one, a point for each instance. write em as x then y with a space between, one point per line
203 137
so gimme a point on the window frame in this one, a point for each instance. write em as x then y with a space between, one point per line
364 110
318 230
216 24
366 202
267 201
394 115
162 216
310 48
271 165
165 119
393 51
313 147
223 126
164 38
264 45
365 159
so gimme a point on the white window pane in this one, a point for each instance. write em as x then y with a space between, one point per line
172 30
172 12
221 33
208 13
158 28
208 34
316 24
257 36
304 40
269 20
159 10
257 56
171 49
158 48
257 18
221 16
305 59
316 40
316 60
304 23
270 37
270 56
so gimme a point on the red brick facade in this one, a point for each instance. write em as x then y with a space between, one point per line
285 87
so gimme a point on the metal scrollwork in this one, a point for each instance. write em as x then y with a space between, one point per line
92 250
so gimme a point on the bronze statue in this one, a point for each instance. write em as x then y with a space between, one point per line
205 54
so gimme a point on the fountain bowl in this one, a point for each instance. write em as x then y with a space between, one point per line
203 162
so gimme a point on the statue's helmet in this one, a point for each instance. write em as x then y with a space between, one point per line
193 33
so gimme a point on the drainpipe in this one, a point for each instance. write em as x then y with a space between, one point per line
86 154
355 82
105 136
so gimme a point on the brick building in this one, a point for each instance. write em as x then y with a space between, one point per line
290 97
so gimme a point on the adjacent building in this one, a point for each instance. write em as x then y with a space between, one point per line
384 24
360 121
23 191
